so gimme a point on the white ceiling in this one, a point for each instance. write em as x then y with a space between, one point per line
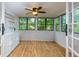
53 9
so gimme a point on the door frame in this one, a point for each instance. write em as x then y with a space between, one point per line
72 51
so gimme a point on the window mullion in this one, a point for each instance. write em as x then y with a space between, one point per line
45 23
27 24
36 25
19 24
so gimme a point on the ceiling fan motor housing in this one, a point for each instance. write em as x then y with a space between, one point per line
35 9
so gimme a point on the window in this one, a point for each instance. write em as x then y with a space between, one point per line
45 24
41 24
63 23
50 24
70 21
22 23
57 23
31 23
70 17
26 23
76 20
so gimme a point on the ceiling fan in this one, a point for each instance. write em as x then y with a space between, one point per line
34 11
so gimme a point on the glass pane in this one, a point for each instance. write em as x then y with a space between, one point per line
57 20
49 24
64 19
31 23
31 26
63 28
69 41
76 20
22 23
22 26
31 20
70 29
63 23
76 28
57 27
76 45
41 24
57 24
41 27
50 27
22 20
70 17
49 20
41 20
76 17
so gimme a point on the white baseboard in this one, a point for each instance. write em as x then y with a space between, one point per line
60 44
37 40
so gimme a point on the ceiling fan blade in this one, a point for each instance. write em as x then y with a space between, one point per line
39 8
28 13
41 12
28 9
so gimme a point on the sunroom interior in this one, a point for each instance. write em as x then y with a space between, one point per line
46 34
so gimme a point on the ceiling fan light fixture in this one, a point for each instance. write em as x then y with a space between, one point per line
35 13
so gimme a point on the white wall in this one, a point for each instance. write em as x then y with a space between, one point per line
0 28
10 39
60 37
37 35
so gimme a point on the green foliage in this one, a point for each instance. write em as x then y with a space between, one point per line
45 24
63 23
76 19
57 21
22 23
42 23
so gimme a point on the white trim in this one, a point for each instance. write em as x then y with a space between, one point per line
60 23
60 44
67 18
73 23
75 38
70 48
75 53
36 24
72 28
2 21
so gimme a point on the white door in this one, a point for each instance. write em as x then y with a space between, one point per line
72 21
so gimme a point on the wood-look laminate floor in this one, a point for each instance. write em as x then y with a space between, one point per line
38 49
